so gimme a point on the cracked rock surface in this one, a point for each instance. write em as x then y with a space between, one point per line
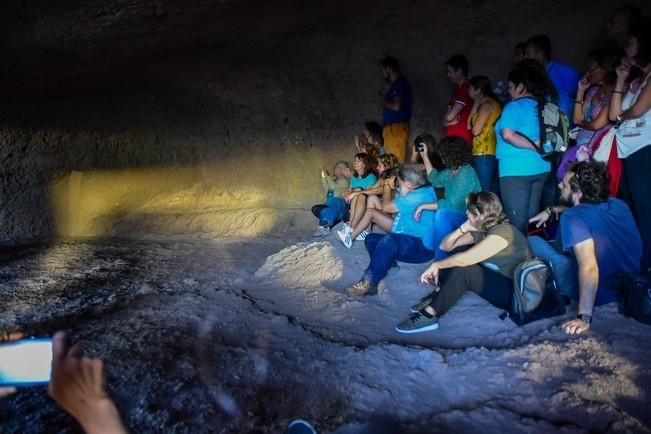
241 336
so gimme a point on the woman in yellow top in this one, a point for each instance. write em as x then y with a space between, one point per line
486 109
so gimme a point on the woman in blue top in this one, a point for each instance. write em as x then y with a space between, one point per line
361 180
458 179
522 170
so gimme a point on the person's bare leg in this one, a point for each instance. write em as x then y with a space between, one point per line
372 216
357 206
351 214
373 202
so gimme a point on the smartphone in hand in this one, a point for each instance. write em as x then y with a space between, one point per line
25 362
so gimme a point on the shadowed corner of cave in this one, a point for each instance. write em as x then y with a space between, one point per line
159 160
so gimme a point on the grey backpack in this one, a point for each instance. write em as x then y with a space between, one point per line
554 131
534 293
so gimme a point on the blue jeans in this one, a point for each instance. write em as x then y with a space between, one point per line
486 166
334 212
446 221
384 249
564 267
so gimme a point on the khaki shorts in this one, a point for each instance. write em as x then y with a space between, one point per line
396 137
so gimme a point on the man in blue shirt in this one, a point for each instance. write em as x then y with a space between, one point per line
409 240
598 238
564 77
396 111
566 81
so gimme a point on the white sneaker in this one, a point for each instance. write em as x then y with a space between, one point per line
321 231
348 229
345 238
361 236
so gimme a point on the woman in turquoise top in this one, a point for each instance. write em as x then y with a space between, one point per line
458 179
361 180
522 170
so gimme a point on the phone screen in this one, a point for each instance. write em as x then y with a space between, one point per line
25 362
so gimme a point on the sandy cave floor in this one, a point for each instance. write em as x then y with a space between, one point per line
241 336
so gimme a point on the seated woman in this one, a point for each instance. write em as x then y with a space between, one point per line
591 108
363 179
486 268
373 215
373 146
371 128
334 209
457 181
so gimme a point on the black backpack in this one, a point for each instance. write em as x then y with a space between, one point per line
534 293
554 131
634 295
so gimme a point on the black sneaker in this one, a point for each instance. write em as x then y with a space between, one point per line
424 302
418 322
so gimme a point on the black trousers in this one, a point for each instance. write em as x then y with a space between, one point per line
636 191
490 285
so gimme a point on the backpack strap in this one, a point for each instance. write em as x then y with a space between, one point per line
531 142
541 126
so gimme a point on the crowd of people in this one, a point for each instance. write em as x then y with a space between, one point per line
478 202
469 204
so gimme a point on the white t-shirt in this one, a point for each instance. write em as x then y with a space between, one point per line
634 134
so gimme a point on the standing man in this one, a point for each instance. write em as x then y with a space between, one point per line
455 120
397 109
564 77
566 82
598 239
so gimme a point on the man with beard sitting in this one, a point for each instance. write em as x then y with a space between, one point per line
598 238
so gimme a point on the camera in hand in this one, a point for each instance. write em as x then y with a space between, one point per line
420 147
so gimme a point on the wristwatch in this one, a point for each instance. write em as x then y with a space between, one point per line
585 318
619 121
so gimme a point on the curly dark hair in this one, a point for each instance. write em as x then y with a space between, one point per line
488 207
455 152
592 180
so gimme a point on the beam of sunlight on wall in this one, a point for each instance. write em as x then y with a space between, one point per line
178 200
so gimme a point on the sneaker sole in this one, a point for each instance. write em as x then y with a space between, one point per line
420 330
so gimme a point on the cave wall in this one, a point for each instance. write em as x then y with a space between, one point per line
161 118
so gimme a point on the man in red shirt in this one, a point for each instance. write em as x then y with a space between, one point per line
455 120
